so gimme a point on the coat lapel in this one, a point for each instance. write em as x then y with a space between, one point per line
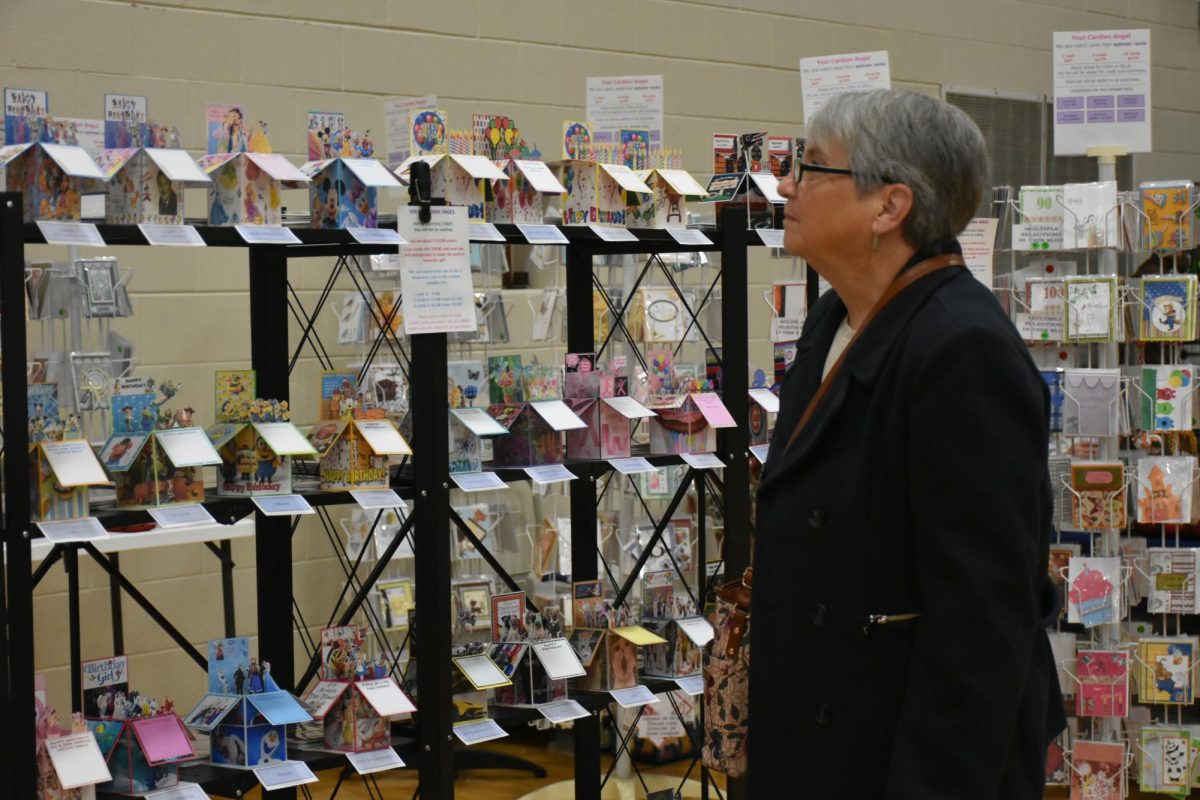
863 364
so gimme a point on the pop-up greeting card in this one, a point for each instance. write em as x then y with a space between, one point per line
459 180
522 198
245 187
344 192
686 423
50 177
667 206
146 754
755 193
160 467
355 453
599 397
685 635
534 432
596 193
62 473
145 185
256 451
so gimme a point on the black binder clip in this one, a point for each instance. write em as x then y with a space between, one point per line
420 189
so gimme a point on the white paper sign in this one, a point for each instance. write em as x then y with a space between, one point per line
632 466
542 234
171 236
766 399
322 697
1101 90
484 730
824 77
561 711
539 176
81 234
187 447
559 659
382 437
760 452
376 236
978 241
553 473
634 102
486 232
481 671
74 463
702 460
610 233
478 481
1037 236
182 791
378 498
689 236
627 407
698 629
691 684
283 775
768 184
397 134
634 696
73 530
266 234
179 516
558 415
282 505
375 761
386 697
77 760
479 422
771 237
435 271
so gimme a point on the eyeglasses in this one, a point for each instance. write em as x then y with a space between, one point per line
802 167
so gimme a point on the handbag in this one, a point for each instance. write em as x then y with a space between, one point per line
727 656
727 680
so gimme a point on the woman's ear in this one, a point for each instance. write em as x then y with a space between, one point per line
896 201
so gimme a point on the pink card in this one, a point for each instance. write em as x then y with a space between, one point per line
163 739
713 409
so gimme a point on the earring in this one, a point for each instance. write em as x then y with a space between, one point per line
875 243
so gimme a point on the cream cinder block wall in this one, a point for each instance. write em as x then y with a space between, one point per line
729 66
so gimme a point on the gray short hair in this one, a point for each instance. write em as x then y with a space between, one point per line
902 137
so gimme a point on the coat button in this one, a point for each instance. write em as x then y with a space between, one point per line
819 616
823 715
816 519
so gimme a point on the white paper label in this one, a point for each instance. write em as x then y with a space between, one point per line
435 271
375 761
171 236
824 77
74 463
282 505
322 697
760 452
286 439
771 237
540 177
1101 91
178 165
486 232
702 460
692 684
1037 236
376 236
634 696
77 760
281 776
553 473
266 234
183 791
627 407
481 671
766 399
478 481
73 530
187 447
386 697
609 233
558 415
559 659
698 629
542 234
382 437
561 711
378 498
689 236
179 516
82 234
768 184
632 466
479 422
978 241
482 731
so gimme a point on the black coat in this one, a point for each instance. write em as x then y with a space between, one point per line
918 486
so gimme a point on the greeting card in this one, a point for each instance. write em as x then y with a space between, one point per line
1098 771
1166 397
1090 217
1173 575
1168 306
542 382
427 132
1166 760
1103 683
1090 401
1099 488
466 383
1093 591
577 141
1164 488
1166 225
1091 308
1166 669
505 379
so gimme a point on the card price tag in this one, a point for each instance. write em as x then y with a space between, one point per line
562 711
478 482
482 731
692 684
634 696
378 498
171 236
771 237
73 530
553 473
632 466
689 236
179 516
760 452
375 761
542 234
266 234
485 232
282 505
377 236
609 233
281 776
702 460
82 234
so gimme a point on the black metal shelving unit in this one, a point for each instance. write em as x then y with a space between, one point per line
433 752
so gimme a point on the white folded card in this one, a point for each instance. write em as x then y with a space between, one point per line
558 659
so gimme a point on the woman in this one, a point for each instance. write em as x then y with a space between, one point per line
900 585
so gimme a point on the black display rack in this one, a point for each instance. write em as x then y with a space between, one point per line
432 751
